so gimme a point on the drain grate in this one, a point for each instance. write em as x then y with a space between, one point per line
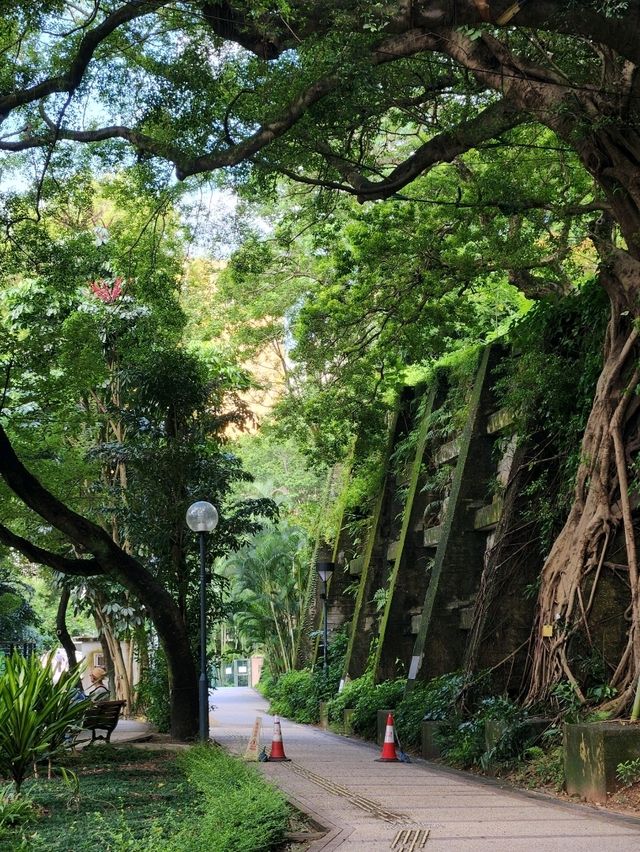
410 839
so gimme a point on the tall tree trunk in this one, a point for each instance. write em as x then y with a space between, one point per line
64 637
108 659
573 569
120 680
107 559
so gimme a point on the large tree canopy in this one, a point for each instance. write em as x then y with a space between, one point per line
362 98
359 96
104 404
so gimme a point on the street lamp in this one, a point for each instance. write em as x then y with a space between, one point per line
202 517
325 570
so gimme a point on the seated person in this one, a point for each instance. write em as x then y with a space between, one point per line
98 691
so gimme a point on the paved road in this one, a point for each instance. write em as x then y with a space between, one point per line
369 806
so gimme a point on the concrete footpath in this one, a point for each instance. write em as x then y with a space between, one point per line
367 806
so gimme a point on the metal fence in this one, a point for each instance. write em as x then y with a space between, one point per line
26 649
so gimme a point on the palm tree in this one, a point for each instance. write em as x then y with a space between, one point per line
268 580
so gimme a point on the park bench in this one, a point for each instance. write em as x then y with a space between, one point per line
102 716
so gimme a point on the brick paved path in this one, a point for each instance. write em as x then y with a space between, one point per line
368 806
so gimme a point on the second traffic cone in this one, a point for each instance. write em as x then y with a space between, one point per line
388 754
277 749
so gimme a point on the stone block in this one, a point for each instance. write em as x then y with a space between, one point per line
488 516
324 715
499 421
392 551
430 747
431 537
356 565
447 452
592 752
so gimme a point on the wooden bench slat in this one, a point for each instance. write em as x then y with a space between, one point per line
103 716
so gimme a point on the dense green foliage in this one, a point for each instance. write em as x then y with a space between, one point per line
435 700
548 384
204 799
297 694
383 696
365 698
98 358
108 404
18 619
363 296
36 714
268 581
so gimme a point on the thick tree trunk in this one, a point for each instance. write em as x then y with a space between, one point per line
107 559
601 505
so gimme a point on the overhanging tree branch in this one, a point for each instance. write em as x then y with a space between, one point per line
89 43
79 530
73 567
443 148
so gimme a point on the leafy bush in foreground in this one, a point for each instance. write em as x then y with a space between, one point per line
35 714
15 810
241 811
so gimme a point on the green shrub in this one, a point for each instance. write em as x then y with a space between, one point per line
541 768
463 743
35 715
267 683
296 695
349 697
386 695
15 810
241 812
435 700
409 715
628 772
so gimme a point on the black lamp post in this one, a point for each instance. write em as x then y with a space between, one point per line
325 570
202 517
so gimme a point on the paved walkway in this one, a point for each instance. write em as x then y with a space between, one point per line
131 731
369 806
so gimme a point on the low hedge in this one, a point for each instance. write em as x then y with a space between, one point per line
241 811
296 695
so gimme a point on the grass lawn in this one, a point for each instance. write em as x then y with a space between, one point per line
139 800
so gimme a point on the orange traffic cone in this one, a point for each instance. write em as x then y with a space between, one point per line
277 749
388 754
